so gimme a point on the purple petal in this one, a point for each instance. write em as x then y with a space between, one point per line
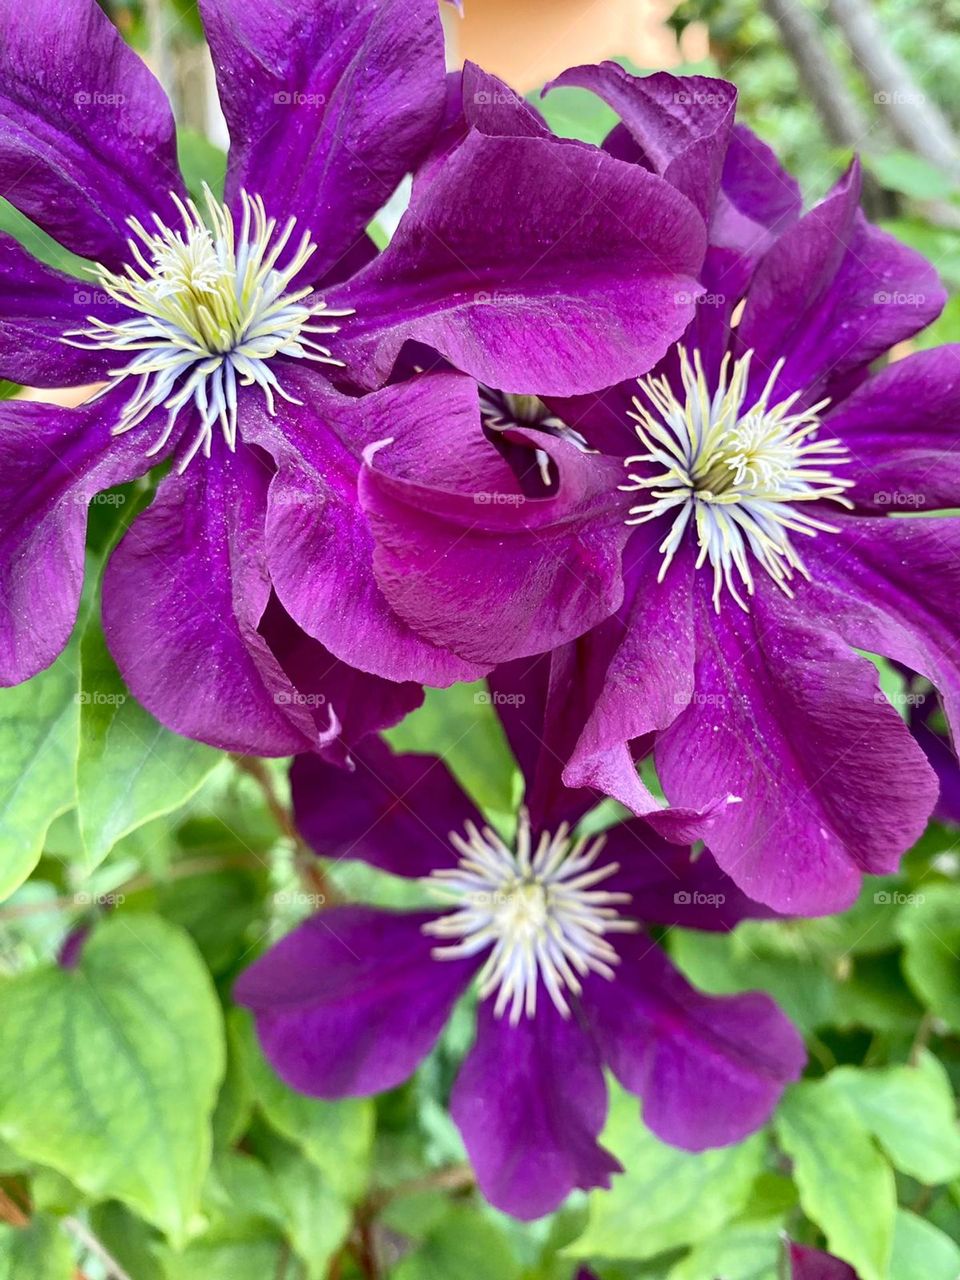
681 124
902 427
86 134
530 1102
710 1069
52 462
443 506
329 105
351 1002
832 295
787 718
37 306
357 703
512 238
183 596
812 1264
318 540
394 811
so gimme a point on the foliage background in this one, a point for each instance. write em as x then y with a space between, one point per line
141 1134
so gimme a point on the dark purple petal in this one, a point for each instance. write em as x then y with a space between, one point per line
832 295
709 1069
357 703
37 306
52 462
512 238
319 545
530 1102
902 427
680 124
462 554
492 107
328 106
86 134
891 586
393 811
787 718
812 1264
351 1002
183 595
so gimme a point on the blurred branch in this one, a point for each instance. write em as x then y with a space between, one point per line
85 1237
845 122
917 123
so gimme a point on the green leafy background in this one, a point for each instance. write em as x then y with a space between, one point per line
142 1135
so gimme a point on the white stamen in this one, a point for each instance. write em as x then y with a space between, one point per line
738 474
210 311
537 911
505 411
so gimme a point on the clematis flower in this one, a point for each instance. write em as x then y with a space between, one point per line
547 928
814 1264
704 575
232 336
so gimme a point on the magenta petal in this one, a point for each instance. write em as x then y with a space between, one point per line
52 462
86 134
351 1002
512 238
37 307
710 1069
393 811
902 427
462 554
183 596
832 295
530 1102
681 124
329 106
789 719
319 545
813 1264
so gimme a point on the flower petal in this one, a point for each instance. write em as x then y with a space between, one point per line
461 553
710 1069
52 462
329 105
183 595
812 1264
87 137
394 811
511 238
787 718
319 545
902 427
351 1002
530 1102
832 295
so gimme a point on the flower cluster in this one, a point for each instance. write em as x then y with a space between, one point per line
603 425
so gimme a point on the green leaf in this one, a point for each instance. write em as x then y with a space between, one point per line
109 1071
336 1136
316 1219
130 768
685 1198
40 722
846 1186
40 1251
910 174
912 1114
215 1259
930 931
460 725
463 1244
201 161
741 1251
921 1251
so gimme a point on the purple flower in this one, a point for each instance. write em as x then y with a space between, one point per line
548 928
704 574
813 1264
233 336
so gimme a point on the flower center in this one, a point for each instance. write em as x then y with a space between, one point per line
209 310
536 910
740 474
502 410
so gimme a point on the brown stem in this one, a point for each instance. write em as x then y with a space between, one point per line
11 1212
